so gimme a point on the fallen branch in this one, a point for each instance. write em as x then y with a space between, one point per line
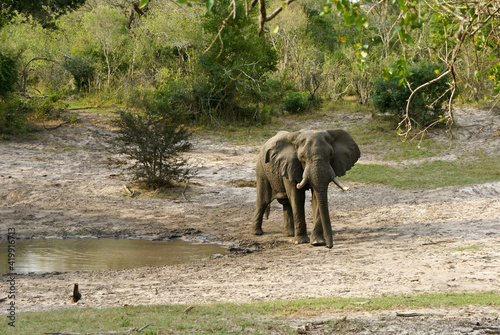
408 315
55 127
187 310
129 191
488 329
78 108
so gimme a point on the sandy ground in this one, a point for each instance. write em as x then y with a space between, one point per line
66 183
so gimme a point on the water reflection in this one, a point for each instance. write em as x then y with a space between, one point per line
80 254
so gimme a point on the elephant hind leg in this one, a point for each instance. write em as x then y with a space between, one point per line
256 227
264 198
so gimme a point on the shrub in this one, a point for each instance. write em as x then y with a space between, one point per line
15 113
8 75
427 104
295 102
174 99
13 116
153 142
82 68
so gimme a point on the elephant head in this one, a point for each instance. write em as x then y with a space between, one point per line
312 159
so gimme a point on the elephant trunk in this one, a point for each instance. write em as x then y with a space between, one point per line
322 201
318 176
319 180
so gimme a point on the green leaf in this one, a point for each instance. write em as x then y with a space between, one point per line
402 5
361 22
209 4
143 3
349 18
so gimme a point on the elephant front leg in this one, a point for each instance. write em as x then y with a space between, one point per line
317 238
288 226
297 199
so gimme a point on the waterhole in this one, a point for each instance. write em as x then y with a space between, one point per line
91 254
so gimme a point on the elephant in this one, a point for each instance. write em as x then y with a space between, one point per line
291 163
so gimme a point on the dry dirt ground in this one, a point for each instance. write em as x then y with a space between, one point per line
64 182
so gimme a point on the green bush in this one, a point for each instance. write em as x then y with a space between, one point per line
153 143
13 116
16 113
8 75
295 102
82 68
172 99
427 104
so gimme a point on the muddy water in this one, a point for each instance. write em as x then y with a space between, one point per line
90 254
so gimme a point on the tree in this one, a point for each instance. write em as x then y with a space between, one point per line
43 11
106 33
233 81
464 22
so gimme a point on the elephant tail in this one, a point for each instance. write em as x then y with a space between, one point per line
268 209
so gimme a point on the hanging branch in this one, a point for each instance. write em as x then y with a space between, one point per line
263 18
232 14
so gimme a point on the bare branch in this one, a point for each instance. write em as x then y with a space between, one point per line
278 10
218 36
406 120
262 16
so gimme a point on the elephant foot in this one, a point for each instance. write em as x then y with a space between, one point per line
288 233
318 242
317 239
256 231
301 239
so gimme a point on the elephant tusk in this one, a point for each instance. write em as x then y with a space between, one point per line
337 182
302 183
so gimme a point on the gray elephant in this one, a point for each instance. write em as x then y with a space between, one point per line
291 163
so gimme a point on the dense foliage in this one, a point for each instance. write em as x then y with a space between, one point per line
211 67
44 11
8 75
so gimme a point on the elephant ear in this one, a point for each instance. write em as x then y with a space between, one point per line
282 156
345 151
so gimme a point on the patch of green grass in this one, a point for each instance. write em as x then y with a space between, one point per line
380 138
256 318
258 134
429 175
470 247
